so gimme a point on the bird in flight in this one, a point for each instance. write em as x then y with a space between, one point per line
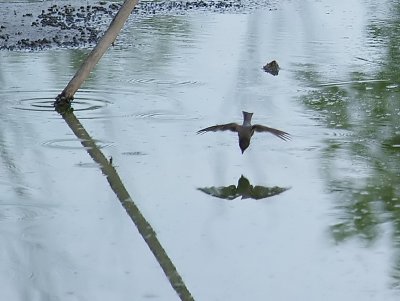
246 130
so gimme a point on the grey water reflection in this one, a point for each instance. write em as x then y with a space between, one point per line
360 161
243 189
117 185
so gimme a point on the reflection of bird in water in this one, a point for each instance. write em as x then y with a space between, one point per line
244 190
245 131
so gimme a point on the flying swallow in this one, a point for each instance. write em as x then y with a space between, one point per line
245 131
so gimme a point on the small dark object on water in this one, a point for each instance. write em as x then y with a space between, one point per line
111 160
272 68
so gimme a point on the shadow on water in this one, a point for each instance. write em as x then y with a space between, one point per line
143 226
361 158
244 190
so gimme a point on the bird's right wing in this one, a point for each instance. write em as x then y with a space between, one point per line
234 127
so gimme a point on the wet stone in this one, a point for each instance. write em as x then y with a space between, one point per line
272 68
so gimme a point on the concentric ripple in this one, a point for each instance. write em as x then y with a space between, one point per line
162 82
163 115
86 100
35 104
74 143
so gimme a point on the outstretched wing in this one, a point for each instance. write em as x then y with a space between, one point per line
234 127
281 134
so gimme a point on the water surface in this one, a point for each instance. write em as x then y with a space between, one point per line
332 233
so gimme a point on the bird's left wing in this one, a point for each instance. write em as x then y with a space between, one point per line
234 127
281 134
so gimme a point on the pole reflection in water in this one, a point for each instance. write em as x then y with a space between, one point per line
244 190
145 229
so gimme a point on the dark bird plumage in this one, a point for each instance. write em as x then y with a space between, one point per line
245 131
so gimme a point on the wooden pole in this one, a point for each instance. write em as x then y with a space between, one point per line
67 95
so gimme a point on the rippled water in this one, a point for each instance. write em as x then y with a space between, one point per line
314 218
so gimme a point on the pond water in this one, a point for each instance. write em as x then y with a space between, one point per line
323 222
